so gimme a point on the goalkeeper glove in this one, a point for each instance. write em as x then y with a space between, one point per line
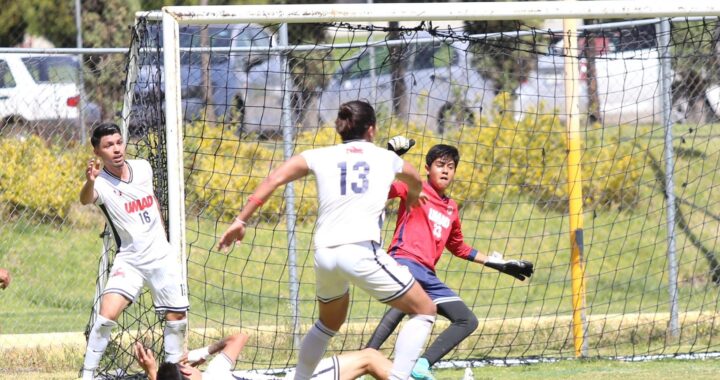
400 144
519 269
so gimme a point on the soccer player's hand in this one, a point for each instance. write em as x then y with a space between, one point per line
236 232
519 269
146 359
93 168
415 201
4 278
400 144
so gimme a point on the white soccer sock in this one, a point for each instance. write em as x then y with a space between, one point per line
312 349
409 344
97 342
174 334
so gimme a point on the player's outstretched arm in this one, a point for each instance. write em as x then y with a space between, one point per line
87 194
519 269
231 346
411 177
292 169
146 359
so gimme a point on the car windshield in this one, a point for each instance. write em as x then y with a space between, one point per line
419 56
52 69
219 37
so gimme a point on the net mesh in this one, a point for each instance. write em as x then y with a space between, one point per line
499 97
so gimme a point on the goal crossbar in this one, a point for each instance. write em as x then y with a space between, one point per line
292 13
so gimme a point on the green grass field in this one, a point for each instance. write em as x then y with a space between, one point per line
604 369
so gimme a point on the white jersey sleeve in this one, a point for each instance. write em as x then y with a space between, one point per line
220 368
133 213
353 180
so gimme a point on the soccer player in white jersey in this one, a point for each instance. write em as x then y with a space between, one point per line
353 180
123 190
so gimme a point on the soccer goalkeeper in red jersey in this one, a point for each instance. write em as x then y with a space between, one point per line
421 235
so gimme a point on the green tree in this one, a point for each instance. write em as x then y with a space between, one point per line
505 60
13 25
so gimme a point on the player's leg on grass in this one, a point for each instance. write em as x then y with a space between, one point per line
111 305
411 339
462 323
314 344
385 328
174 335
165 284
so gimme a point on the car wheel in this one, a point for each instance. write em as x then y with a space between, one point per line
454 115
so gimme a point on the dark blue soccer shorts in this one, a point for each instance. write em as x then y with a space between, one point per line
436 289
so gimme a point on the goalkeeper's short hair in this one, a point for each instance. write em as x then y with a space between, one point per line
442 150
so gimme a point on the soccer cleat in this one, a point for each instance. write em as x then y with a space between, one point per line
421 371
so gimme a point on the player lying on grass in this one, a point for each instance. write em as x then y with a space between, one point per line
421 235
123 190
346 366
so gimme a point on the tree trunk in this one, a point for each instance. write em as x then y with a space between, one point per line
591 76
207 90
399 90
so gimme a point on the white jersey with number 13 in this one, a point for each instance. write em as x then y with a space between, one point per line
353 180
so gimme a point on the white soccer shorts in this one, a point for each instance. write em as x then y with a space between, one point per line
163 279
365 265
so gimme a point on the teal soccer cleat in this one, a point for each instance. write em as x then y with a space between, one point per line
421 371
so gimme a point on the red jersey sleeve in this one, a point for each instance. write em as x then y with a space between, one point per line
398 189
456 242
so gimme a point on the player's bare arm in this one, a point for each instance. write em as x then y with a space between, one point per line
88 194
411 177
292 169
146 359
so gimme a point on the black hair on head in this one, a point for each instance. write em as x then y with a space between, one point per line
442 151
102 130
354 119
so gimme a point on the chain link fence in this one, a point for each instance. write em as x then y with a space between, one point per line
49 101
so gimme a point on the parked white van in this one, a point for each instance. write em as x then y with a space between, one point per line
41 87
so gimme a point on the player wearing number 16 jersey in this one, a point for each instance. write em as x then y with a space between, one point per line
353 180
124 192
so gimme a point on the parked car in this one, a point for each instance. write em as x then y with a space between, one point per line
627 70
442 87
246 86
39 88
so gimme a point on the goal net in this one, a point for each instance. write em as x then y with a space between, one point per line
603 175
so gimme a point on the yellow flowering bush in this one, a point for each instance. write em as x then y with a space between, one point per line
38 178
501 156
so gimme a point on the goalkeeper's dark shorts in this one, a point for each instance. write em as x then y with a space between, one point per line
436 289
